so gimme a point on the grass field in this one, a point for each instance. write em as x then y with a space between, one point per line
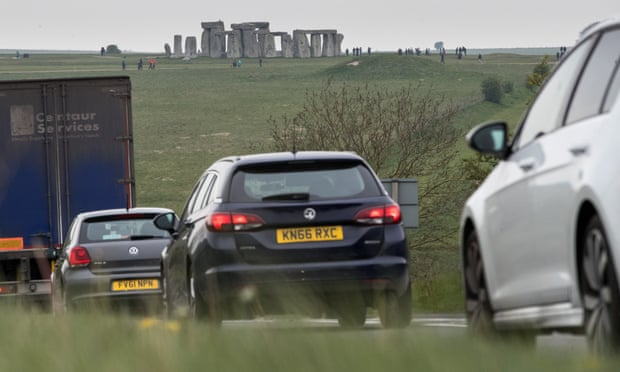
189 113
100 342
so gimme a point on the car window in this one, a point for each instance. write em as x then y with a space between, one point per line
317 183
614 88
71 236
614 84
205 191
595 81
191 201
547 111
111 228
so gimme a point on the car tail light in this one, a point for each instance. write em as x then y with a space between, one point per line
388 214
79 257
226 221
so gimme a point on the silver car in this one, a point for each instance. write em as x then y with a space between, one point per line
109 258
540 238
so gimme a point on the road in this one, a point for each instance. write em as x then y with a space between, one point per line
445 324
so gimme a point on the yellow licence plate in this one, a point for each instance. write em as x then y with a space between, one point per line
135 284
309 234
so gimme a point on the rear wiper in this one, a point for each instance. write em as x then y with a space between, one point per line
289 196
142 237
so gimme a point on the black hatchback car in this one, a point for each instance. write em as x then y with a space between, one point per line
310 233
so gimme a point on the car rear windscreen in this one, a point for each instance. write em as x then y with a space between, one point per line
303 181
120 228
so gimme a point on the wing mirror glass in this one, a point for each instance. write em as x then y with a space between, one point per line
167 221
489 138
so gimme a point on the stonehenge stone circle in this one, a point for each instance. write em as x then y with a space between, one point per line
255 40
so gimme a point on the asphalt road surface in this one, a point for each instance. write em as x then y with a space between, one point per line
444 324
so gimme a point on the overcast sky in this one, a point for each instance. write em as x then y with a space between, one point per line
386 25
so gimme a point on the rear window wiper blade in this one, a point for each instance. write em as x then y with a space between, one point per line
142 237
289 196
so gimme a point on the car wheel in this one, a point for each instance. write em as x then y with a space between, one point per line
477 303
214 306
394 310
58 303
599 290
351 310
198 308
175 298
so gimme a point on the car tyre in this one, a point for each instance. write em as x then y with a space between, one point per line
394 310
599 290
479 312
214 306
176 299
58 301
351 310
198 308
477 302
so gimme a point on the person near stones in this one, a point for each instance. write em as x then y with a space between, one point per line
123 65
480 58
140 64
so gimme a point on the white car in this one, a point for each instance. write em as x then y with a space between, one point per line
540 238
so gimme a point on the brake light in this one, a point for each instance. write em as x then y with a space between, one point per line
388 214
226 221
79 257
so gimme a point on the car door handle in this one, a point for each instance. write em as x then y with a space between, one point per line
527 164
579 150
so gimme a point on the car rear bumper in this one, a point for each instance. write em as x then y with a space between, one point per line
324 278
81 287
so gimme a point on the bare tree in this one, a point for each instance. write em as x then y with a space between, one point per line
402 133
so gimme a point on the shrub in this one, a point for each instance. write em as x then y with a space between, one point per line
492 89
539 74
112 49
508 87
402 133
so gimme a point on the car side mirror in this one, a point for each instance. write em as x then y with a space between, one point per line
489 138
167 221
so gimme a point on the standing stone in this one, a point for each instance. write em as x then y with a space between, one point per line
338 43
167 50
178 48
286 45
267 43
213 41
190 46
248 40
329 45
234 44
315 45
301 49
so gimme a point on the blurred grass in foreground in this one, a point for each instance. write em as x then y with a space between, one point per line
107 342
